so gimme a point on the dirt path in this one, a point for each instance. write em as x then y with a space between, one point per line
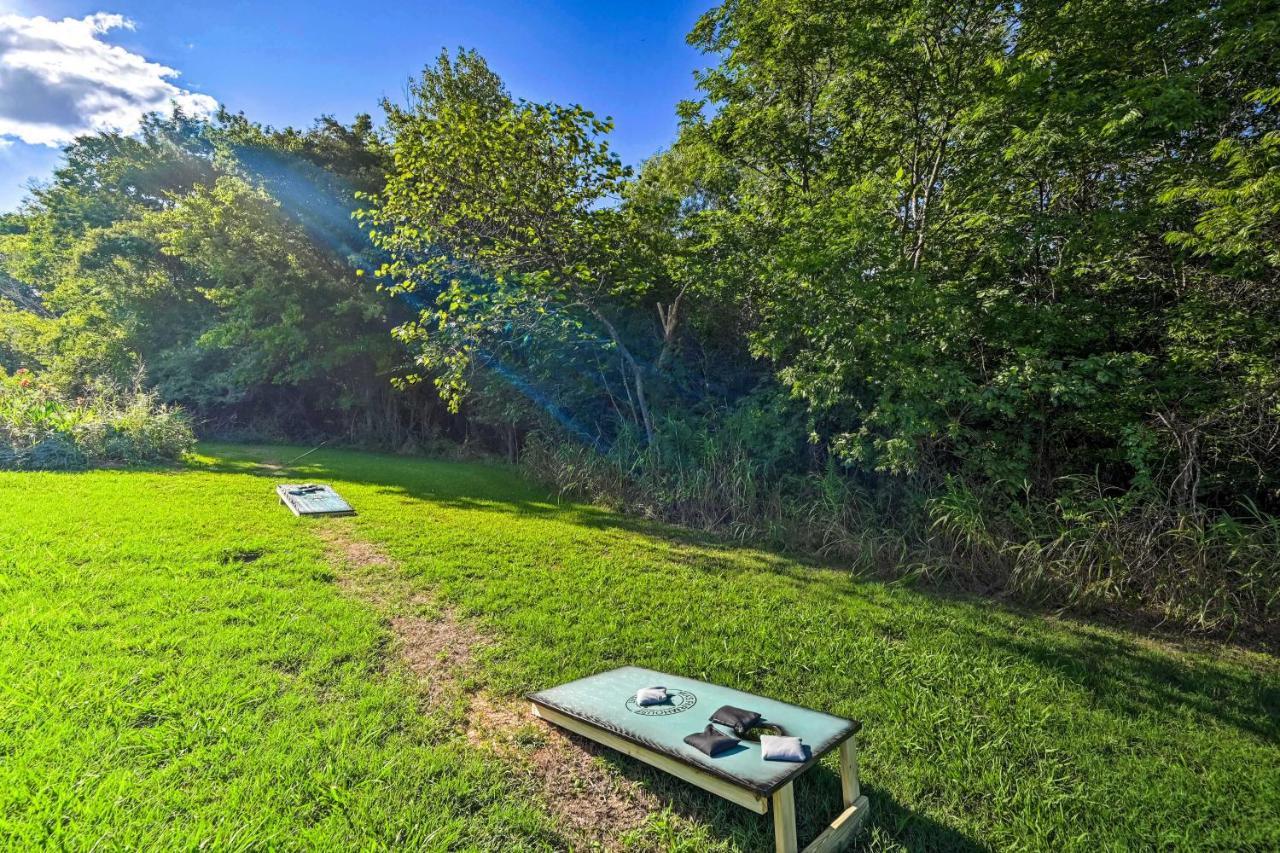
594 805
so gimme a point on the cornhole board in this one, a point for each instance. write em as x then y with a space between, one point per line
313 499
603 708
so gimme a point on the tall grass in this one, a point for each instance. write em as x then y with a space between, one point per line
1088 549
1208 570
717 481
42 428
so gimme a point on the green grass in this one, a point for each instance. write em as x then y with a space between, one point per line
178 669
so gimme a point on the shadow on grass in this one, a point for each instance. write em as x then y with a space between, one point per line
1118 672
818 802
1126 677
500 488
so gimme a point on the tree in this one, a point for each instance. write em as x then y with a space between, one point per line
221 259
961 228
500 216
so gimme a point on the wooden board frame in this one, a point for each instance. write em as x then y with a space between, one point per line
593 700
296 505
833 838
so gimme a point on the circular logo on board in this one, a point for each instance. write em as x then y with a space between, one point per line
677 701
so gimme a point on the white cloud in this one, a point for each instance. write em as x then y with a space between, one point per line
59 79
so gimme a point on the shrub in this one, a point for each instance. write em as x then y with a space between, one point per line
41 428
752 475
1205 569
1086 547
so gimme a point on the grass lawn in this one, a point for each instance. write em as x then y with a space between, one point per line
178 668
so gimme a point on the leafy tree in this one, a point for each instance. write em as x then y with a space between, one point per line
222 259
957 229
499 215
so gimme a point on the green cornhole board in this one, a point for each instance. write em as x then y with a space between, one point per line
603 708
313 499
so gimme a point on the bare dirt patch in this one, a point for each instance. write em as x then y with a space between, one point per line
436 650
592 802
594 805
340 542
368 571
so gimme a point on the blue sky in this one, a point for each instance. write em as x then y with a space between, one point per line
287 62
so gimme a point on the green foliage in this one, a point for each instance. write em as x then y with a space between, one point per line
1018 265
222 259
957 222
1011 272
1100 549
496 218
41 428
1239 221
751 473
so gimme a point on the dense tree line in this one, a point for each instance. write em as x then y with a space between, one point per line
982 289
215 263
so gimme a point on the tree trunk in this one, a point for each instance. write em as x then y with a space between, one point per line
670 319
637 376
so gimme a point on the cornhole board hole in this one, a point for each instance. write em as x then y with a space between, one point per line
603 708
313 499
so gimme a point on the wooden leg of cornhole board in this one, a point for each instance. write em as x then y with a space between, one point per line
856 806
784 819
849 772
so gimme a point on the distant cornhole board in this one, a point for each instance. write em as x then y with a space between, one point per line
601 707
313 499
